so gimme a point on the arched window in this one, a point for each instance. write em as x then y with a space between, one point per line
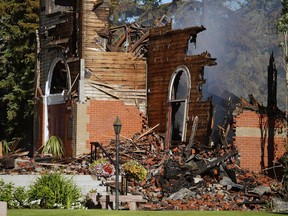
179 91
59 79
58 83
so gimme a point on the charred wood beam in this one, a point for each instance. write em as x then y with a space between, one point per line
141 40
217 162
189 147
223 137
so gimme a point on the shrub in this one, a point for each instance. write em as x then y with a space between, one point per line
133 169
5 147
54 146
6 193
102 168
54 190
16 197
20 197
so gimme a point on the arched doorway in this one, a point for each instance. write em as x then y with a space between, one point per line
57 111
178 97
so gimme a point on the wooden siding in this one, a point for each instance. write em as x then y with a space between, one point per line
109 75
114 75
58 37
167 50
117 68
93 20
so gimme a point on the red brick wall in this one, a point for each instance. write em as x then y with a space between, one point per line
248 140
102 116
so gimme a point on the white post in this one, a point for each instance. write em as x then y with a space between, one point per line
3 208
46 129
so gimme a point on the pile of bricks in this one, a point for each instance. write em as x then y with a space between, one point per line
209 179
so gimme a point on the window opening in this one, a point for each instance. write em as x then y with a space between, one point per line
179 91
59 78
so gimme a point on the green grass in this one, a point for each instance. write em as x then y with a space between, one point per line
36 212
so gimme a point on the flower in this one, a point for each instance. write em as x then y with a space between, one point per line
133 169
102 168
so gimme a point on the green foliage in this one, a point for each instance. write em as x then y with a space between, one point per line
54 146
282 23
20 197
95 212
49 191
6 193
127 11
282 29
18 24
54 190
134 170
94 190
15 197
45 195
5 147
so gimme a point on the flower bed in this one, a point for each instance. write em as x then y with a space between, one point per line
134 170
102 168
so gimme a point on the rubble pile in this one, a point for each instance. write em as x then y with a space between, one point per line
204 179
24 165
172 187
202 184
209 179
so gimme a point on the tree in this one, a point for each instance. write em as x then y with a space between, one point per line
18 23
241 36
127 11
282 29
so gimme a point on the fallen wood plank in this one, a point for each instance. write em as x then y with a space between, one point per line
15 155
192 137
1 149
51 164
217 162
147 132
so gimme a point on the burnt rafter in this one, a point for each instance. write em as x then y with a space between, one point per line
272 83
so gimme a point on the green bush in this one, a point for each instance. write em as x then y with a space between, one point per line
6 193
20 197
54 146
5 147
16 197
54 190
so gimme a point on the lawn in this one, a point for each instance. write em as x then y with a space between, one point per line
36 212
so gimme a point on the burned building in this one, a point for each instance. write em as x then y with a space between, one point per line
174 84
88 73
260 131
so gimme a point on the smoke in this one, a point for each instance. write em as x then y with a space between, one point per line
242 39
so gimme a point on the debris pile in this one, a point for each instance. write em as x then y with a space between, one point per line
204 179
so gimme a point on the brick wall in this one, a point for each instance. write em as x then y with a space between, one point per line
80 124
102 116
248 140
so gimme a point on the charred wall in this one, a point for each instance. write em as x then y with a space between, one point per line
167 51
58 33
